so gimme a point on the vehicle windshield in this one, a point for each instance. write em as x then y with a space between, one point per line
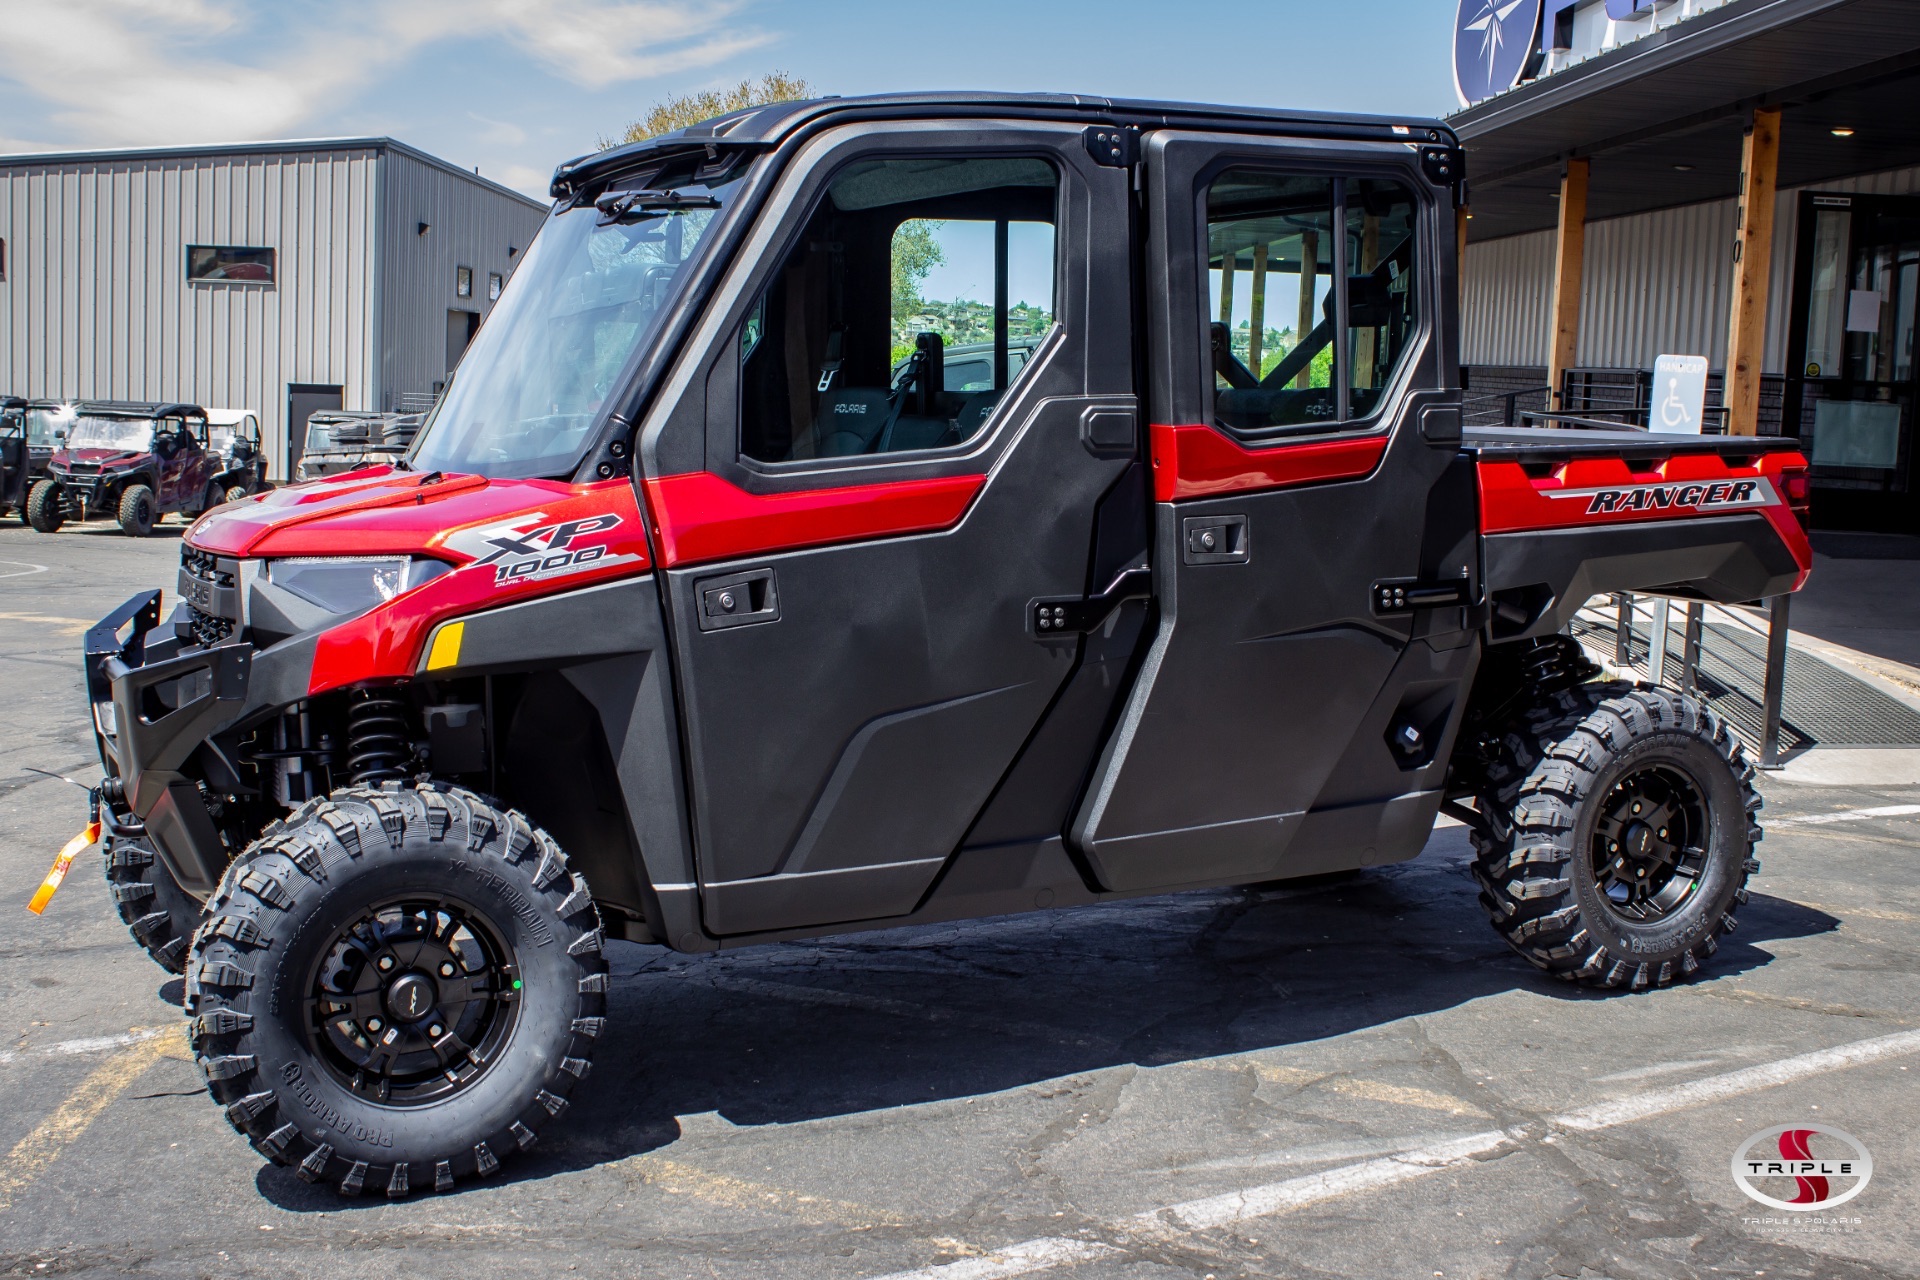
134 435
42 423
584 301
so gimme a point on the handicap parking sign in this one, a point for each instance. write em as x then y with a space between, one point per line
1679 394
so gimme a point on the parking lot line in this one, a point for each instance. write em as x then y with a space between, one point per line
67 626
1372 1090
88 1044
1845 815
677 1177
32 1155
1033 1256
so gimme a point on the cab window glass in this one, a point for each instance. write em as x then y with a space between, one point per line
1279 357
917 291
1381 233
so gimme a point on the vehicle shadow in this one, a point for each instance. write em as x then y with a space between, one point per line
802 1031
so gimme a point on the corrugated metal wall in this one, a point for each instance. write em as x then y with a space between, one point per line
469 226
97 304
1654 283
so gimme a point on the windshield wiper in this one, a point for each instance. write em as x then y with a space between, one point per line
632 206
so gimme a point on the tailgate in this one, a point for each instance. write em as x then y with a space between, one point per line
1565 515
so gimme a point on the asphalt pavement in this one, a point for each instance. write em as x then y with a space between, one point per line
1346 1079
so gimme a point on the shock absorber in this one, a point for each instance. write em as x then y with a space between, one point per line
377 744
1556 662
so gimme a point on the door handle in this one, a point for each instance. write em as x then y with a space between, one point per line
736 599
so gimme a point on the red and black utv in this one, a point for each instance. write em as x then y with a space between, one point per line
705 611
135 462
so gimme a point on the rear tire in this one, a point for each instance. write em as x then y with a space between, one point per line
156 910
137 511
238 493
1619 835
44 510
396 1083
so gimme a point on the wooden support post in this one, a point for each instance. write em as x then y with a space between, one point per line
1257 304
1752 270
1366 341
1569 261
1309 284
1227 268
1461 217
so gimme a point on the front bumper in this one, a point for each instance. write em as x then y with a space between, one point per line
158 700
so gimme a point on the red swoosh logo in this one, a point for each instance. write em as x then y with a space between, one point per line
1793 1146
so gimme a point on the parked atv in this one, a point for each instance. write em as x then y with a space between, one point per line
232 439
693 621
339 441
135 462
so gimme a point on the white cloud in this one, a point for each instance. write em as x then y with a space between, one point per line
136 72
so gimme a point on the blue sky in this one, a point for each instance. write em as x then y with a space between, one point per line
515 86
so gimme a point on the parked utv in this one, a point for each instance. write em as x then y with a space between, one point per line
135 462
339 441
688 620
232 440
14 459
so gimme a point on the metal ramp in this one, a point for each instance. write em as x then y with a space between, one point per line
1821 704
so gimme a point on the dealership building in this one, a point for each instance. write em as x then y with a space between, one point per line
282 277
1731 179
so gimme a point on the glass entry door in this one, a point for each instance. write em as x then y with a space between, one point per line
1851 374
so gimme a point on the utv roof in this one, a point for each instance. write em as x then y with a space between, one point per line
12 402
768 126
139 409
230 417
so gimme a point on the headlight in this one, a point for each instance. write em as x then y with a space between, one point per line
351 584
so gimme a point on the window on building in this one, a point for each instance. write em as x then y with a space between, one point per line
1280 358
917 291
229 264
494 283
463 282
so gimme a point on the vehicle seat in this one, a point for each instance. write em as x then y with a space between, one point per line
850 421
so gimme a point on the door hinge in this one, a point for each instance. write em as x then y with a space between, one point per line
1056 618
1404 595
1112 146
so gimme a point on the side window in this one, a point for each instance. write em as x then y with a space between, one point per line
1280 357
911 301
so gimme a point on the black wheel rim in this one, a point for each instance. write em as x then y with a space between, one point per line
1650 843
411 1002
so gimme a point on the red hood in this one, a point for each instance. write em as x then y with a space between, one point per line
99 457
377 511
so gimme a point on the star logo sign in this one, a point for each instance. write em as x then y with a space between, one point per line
1491 22
1492 41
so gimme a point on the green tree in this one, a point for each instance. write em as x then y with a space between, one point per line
916 252
692 108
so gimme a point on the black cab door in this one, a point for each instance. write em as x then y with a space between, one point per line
892 437
1313 520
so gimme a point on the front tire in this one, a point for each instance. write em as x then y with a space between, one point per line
237 493
137 511
397 988
156 910
44 510
1619 836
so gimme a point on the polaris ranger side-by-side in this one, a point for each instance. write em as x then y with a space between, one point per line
706 610
133 461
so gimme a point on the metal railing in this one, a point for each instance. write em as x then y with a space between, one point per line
1620 611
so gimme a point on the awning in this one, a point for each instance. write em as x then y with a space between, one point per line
1662 117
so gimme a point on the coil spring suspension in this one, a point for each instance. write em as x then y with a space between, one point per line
1553 663
377 745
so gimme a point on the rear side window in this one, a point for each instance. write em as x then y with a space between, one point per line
1289 350
914 296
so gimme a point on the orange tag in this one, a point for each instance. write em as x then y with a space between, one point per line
58 872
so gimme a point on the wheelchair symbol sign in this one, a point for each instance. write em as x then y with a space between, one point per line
1679 395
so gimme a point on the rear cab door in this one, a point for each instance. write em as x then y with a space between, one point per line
1313 516
855 556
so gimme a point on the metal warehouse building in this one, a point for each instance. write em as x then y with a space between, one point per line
1732 179
282 277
